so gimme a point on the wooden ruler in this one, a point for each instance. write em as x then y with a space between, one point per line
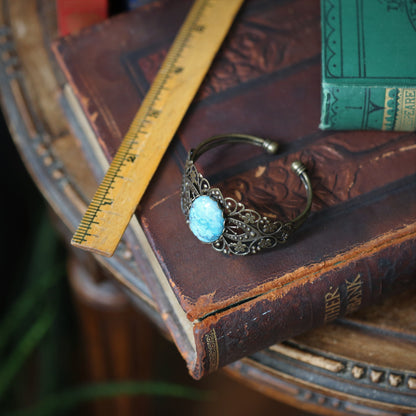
153 127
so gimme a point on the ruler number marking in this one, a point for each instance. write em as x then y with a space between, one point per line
130 149
131 158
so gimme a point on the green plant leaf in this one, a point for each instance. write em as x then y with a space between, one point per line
23 349
71 398
25 305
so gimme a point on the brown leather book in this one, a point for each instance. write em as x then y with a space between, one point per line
358 243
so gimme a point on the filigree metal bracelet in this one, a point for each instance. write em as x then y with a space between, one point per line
223 222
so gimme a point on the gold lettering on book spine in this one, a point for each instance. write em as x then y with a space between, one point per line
354 293
212 348
400 109
406 110
332 305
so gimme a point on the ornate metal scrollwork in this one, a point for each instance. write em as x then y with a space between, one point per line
245 230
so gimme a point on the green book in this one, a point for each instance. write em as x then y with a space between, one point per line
368 65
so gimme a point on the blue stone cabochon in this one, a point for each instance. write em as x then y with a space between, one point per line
206 219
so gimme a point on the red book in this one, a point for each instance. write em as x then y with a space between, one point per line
73 15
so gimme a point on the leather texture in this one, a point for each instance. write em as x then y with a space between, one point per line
265 81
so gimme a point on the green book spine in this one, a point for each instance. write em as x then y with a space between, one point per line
368 65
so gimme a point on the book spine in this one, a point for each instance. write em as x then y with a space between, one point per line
316 299
368 80
356 107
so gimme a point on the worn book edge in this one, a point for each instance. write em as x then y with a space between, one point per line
134 225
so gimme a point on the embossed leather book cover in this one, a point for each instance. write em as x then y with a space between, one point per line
359 241
369 65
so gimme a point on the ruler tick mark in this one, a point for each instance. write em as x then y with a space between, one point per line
97 231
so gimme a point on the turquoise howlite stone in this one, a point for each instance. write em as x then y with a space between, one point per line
206 219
